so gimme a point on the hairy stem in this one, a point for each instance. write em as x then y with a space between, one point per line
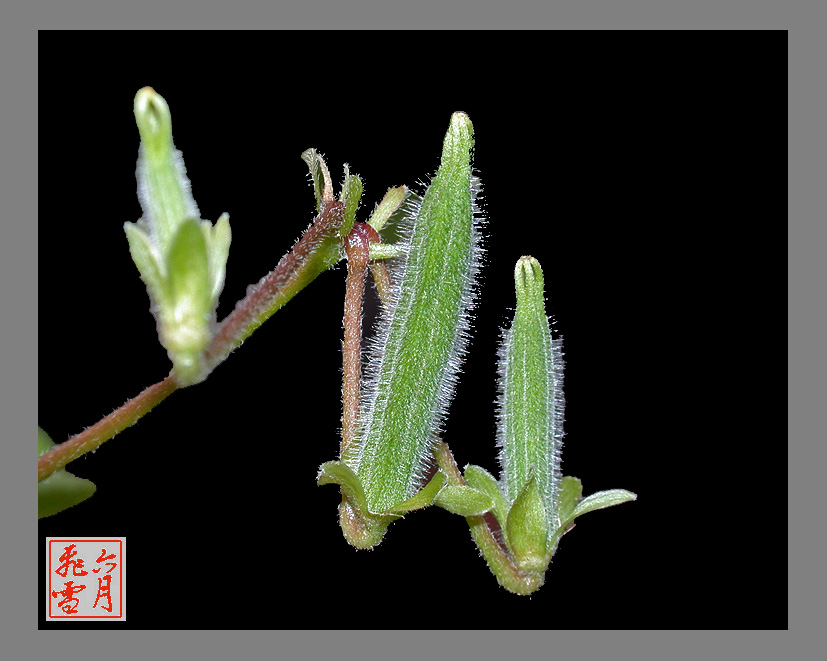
358 252
115 422
317 250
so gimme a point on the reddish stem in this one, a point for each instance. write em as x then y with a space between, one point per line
94 436
293 272
357 247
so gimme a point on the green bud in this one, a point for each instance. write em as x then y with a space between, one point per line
181 259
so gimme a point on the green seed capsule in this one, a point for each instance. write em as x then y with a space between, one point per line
530 416
414 360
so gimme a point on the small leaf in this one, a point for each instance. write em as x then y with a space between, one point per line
61 490
44 442
527 529
481 479
464 501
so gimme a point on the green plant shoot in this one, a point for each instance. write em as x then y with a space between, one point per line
391 460
181 259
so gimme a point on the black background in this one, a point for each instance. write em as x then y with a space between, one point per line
644 170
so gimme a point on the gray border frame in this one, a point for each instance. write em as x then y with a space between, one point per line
19 64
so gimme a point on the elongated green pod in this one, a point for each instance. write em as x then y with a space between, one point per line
414 359
530 406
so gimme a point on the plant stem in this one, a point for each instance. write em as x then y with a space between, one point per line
316 251
115 422
497 557
358 252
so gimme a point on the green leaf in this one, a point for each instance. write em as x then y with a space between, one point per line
415 360
464 501
44 442
482 480
527 529
61 490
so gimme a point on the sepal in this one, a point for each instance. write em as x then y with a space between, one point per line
146 258
350 196
527 529
361 527
217 238
480 479
596 501
571 493
186 315
465 501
